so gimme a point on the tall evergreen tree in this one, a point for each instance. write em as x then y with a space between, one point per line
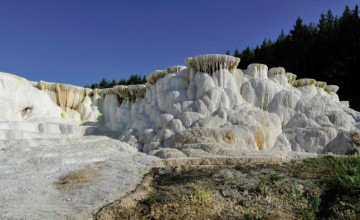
327 51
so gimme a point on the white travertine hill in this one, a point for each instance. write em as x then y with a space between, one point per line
37 147
211 108
20 101
208 107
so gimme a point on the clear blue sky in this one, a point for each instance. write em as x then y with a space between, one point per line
81 41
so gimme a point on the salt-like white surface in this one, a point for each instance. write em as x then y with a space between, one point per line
212 108
207 109
30 169
260 109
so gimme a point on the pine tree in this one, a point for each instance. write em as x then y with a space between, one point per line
237 53
104 83
327 51
122 82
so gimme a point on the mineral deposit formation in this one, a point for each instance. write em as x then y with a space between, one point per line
67 151
206 108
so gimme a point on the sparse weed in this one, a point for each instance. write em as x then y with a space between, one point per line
256 216
241 202
152 198
241 168
312 206
275 178
294 192
200 195
262 188
275 166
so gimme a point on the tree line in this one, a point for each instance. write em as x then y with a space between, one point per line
326 51
133 79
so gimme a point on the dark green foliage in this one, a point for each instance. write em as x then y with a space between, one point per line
122 82
104 83
327 51
347 171
340 177
341 172
134 79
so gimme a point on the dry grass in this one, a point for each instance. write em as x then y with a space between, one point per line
259 139
308 189
77 177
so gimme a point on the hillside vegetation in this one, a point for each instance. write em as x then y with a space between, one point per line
322 188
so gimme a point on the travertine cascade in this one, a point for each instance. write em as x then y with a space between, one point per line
208 107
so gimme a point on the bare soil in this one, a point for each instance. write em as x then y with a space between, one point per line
302 189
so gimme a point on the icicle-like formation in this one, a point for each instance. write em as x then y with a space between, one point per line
107 91
138 91
304 82
64 95
153 77
276 71
50 89
257 70
210 63
320 84
71 96
174 69
122 91
291 78
331 88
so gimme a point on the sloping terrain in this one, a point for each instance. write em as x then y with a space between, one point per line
321 188
59 173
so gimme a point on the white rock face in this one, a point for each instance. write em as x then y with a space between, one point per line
40 143
265 109
19 100
206 109
35 155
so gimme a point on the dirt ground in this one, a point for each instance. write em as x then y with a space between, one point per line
303 189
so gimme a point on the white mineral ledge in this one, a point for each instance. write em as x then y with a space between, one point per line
204 111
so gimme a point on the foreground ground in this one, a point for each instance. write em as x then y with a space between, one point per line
60 172
322 188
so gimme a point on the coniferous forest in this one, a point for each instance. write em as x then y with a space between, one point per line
326 51
133 79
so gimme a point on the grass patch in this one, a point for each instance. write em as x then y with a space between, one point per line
152 199
319 188
275 178
262 187
339 178
200 195
343 172
347 172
